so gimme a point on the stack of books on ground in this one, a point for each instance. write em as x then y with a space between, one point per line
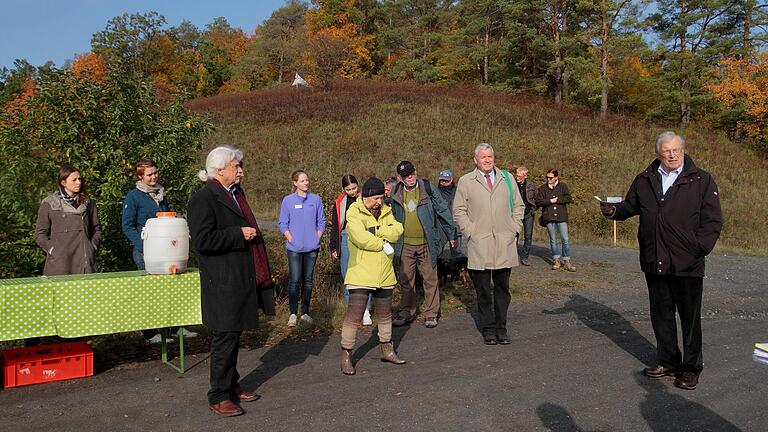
760 354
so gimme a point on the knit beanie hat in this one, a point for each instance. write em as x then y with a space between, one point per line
372 187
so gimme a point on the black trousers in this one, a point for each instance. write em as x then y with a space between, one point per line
492 304
668 295
224 376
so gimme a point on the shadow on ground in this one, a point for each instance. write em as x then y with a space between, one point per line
608 322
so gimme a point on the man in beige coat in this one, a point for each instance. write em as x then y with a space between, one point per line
489 212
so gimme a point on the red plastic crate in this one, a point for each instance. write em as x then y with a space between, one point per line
35 365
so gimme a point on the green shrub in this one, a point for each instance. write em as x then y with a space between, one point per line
101 128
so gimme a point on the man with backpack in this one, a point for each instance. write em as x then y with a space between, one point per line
423 213
488 210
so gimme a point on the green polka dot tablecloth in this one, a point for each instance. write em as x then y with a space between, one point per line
97 303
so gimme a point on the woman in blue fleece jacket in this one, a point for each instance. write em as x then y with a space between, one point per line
302 223
140 204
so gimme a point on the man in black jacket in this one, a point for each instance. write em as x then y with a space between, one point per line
528 192
680 222
233 272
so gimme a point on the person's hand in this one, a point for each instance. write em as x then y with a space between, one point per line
453 244
248 233
319 234
607 209
553 200
288 236
335 254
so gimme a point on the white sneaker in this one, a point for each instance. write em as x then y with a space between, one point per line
156 339
367 318
292 320
188 334
306 318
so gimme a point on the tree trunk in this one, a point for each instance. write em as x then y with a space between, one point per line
746 43
604 64
685 114
280 69
485 57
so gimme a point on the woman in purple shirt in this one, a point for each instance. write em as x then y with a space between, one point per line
302 223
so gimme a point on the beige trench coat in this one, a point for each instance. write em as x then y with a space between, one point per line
487 222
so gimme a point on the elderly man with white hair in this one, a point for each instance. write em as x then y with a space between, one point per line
234 272
680 222
488 209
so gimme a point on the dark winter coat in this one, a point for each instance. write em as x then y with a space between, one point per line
676 230
557 212
69 236
528 192
230 295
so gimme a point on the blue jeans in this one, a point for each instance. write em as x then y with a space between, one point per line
527 236
344 263
138 259
301 268
553 228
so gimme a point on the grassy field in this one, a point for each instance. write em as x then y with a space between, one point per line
366 128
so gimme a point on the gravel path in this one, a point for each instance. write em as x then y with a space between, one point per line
579 340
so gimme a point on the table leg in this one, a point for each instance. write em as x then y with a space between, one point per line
164 349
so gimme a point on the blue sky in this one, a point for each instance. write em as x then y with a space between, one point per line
42 30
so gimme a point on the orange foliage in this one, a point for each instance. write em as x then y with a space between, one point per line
744 86
335 46
233 42
21 101
91 65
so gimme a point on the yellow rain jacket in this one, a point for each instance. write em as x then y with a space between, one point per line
368 265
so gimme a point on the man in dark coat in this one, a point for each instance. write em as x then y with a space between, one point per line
233 272
680 222
528 193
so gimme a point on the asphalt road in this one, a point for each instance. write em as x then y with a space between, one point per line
579 343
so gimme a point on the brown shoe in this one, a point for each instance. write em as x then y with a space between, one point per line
556 264
346 362
388 354
687 381
568 266
658 371
245 396
226 408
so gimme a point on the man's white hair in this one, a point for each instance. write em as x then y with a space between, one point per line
666 137
218 159
483 146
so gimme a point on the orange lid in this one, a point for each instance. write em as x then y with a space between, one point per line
165 214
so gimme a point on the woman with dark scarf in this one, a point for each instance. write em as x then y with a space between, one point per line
68 229
140 204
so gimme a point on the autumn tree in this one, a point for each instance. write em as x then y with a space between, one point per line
274 48
334 47
91 66
743 94
220 48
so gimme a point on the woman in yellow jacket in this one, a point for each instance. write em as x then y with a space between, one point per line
371 228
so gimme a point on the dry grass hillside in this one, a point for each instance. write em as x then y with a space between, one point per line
365 128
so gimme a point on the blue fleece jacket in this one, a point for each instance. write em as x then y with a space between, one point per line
137 208
303 217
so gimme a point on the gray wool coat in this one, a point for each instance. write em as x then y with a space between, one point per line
68 236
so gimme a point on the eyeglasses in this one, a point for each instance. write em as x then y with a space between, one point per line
550 177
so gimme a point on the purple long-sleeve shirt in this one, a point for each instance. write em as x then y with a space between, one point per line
303 217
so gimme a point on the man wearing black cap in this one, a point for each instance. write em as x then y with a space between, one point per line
423 214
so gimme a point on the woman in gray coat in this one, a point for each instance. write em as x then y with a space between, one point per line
68 228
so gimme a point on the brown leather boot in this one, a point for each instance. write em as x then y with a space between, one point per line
556 264
568 266
388 353
346 362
